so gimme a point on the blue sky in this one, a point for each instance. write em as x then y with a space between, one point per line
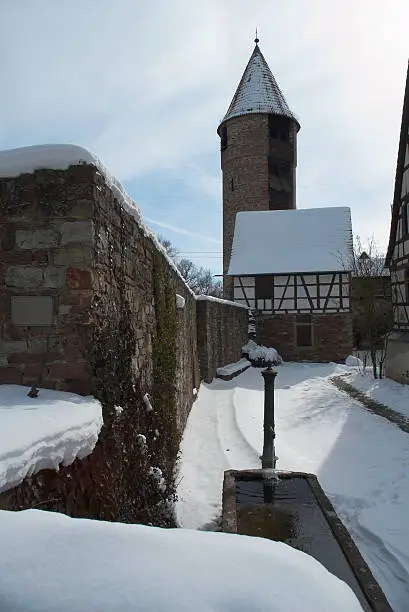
144 86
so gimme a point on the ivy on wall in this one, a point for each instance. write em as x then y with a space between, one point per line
164 368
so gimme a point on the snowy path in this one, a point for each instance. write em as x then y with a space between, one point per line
361 460
220 446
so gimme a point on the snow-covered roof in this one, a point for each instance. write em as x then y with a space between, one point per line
288 241
258 91
43 432
53 562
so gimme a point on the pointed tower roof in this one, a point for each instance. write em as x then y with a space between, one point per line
258 91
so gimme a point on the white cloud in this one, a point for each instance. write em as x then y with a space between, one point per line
144 87
182 230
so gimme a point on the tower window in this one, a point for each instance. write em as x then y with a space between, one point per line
223 138
280 176
232 185
279 128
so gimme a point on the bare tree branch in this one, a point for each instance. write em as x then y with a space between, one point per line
370 300
200 280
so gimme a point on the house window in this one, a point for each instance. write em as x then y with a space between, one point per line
264 287
303 330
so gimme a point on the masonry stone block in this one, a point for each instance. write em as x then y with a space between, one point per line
13 346
24 277
36 239
36 346
30 310
76 231
7 236
64 309
54 277
78 278
73 256
10 375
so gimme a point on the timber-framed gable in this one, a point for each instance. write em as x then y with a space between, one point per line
397 258
297 293
398 251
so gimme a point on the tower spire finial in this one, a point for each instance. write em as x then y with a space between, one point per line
256 40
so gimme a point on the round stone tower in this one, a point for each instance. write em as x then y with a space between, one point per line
258 138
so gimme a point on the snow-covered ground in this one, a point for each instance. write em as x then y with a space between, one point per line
43 432
53 562
393 394
361 460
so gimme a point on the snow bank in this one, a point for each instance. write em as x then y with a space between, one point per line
392 394
261 355
211 298
249 346
26 160
43 432
180 302
232 368
353 362
54 562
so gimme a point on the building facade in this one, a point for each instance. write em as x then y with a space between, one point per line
397 259
296 281
288 267
258 142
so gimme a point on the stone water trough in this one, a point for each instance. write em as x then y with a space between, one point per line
294 509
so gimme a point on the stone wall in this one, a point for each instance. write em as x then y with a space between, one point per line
331 334
222 330
88 304
46 252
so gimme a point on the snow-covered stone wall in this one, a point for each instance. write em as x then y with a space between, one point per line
222 330
46 244
88 304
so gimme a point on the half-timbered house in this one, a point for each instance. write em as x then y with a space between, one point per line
397 258
292 268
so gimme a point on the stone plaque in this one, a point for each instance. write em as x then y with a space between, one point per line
30 310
